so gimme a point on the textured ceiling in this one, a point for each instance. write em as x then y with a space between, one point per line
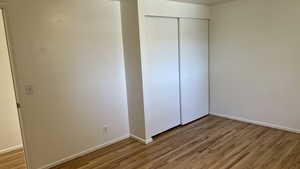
207 2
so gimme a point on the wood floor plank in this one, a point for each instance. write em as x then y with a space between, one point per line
13 160
292 160
209 143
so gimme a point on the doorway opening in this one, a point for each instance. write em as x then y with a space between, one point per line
12 154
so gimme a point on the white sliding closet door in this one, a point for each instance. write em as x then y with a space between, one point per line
194 69
161 74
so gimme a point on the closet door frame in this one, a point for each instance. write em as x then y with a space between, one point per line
179 20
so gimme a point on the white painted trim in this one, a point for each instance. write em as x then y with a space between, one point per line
260 123
10 149
83 153
144 141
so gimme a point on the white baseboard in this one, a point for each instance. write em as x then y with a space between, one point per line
83 153
9 149
260 123
144 141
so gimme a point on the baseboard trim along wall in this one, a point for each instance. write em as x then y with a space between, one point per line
83 153
10 149
260 123
144 141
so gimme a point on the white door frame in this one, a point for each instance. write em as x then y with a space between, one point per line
3 7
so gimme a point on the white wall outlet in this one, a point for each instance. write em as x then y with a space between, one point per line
105 129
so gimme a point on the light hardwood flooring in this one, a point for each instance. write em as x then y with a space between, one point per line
13 160
209 143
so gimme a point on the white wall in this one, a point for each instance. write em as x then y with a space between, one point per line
131 42
255 61
10 135
168 8
71 54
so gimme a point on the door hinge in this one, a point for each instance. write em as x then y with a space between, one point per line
18 105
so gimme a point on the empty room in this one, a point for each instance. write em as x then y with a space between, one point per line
149 84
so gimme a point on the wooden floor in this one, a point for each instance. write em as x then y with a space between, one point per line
13 160
209 143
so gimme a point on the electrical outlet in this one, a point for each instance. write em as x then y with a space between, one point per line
105 129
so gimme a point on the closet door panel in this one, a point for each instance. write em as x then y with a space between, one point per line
161 74
194 69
